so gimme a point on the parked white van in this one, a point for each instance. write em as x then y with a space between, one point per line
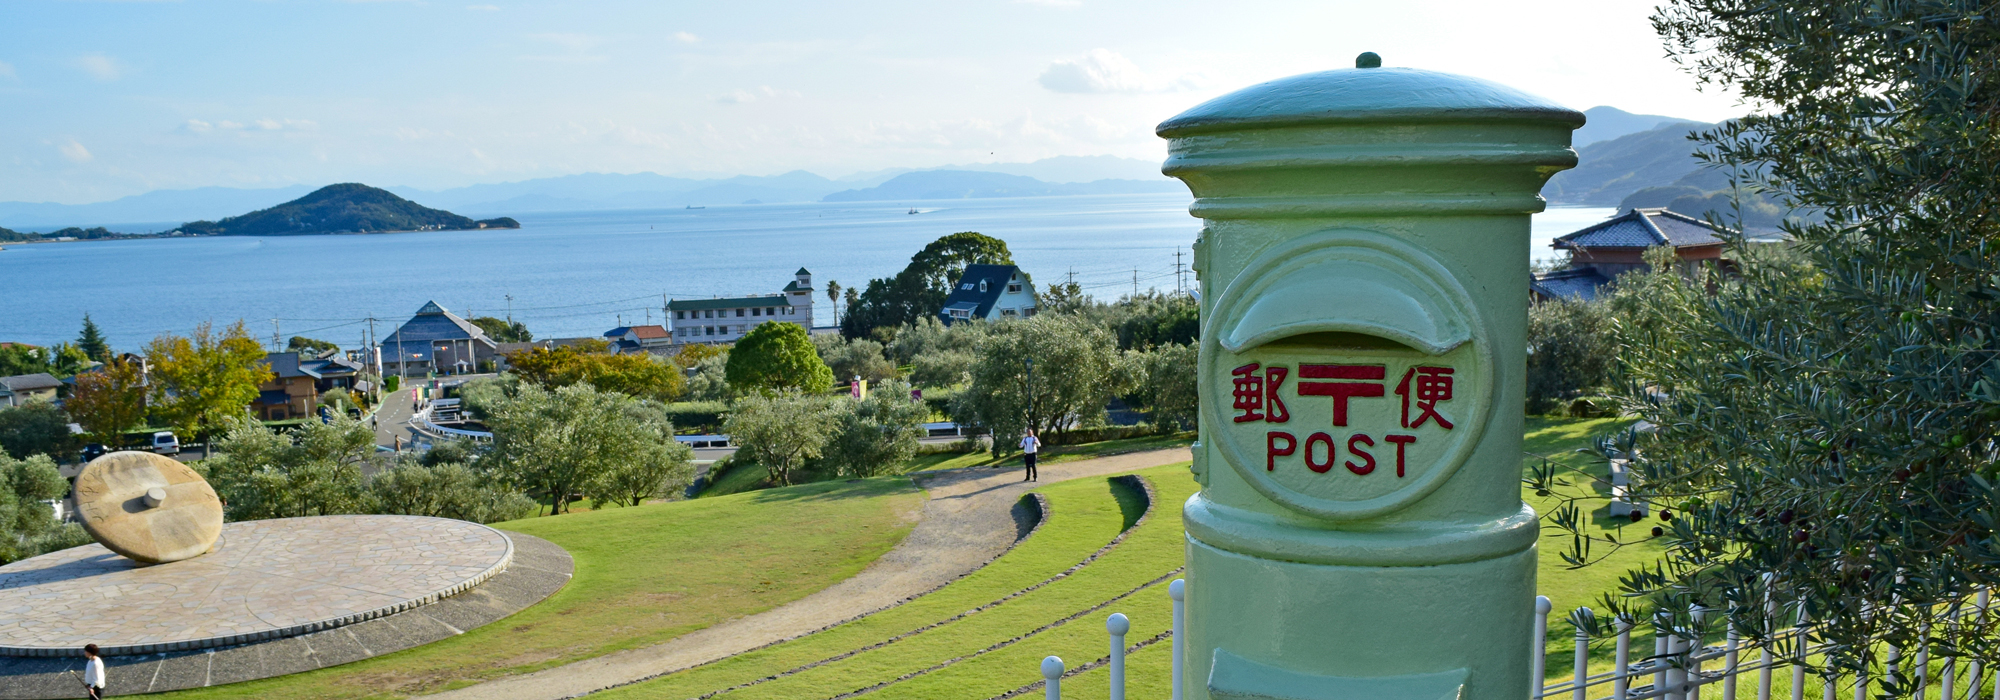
165 443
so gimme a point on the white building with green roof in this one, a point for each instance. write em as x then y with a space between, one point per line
725 320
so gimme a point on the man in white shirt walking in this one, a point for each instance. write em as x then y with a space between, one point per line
93 672
1030 446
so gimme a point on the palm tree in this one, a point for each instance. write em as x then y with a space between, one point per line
833 297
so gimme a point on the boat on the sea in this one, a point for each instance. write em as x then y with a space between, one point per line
913 210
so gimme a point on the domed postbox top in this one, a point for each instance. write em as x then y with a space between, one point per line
1366 94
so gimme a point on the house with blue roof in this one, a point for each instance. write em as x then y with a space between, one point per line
1603 251
297 381
989 293
436 340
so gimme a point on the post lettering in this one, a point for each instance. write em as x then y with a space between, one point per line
1401 442
1369 459
1344 390
1321 438
1272 451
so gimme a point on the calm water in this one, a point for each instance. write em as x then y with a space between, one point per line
573 274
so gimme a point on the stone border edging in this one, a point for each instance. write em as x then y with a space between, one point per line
1145 489
506 558
1042 508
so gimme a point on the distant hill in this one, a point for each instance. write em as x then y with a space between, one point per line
159 208
344 208
1608 171
962 184
1606 123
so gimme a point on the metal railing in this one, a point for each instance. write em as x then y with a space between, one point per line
1117 625
1677 667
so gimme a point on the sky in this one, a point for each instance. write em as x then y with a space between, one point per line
100 100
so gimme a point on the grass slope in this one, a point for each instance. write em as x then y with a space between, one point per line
743 478
1084 516
981 654
643 575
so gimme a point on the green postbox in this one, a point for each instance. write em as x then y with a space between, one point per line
1364 267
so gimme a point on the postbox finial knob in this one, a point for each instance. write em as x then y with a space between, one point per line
1368 59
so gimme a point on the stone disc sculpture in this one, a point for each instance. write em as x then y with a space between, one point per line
148 508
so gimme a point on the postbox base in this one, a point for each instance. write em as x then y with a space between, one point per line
1388 632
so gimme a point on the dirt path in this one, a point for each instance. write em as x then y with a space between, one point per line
968 521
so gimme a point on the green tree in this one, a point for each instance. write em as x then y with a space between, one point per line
1169 392
709 381
876 435
503 331
853 358
91 341
777 355
315 470
1048 373
28 525
67 360
940 355
445 490
35 428
570 441
640 375
1828 420
17 359
110 400
1570 351
920 289
784 431
201 382
309 346
663 470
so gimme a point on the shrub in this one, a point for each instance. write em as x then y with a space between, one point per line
1570 350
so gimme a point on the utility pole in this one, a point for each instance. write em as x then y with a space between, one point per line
1135 283
1179 280
376 353
275 343
510 308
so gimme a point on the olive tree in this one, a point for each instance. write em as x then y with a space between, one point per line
1569 351
1047 373
445 490
783 431
315 470
570 441
1826 423
28 524
874 435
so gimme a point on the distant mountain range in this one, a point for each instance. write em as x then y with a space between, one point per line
962 184
343 208
1619 153
164 209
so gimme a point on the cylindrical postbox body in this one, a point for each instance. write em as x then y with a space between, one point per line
1364 270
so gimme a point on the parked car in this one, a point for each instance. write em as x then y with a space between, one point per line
165 443
93 451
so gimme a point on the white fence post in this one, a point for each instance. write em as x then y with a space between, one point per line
1973 670
1539 651
1052 670
1580 687
1621 668
1117 625
1178 591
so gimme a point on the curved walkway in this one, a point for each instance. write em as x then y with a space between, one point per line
967 522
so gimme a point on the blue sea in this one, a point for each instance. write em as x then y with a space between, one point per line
581 273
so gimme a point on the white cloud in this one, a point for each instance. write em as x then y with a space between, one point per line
75 151
484 8
7 70
100 66
1106 71
202 127
686 37
741 96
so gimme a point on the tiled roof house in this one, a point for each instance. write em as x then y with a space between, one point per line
436 340
1603 251
297 382
20 389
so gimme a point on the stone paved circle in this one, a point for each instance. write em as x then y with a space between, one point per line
115 494
266 579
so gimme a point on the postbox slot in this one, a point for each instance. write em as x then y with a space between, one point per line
1347 296
1337 340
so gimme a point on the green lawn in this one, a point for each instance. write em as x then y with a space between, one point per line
953 654
1084 516
643 575
741 479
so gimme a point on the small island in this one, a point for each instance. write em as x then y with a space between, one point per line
344 208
